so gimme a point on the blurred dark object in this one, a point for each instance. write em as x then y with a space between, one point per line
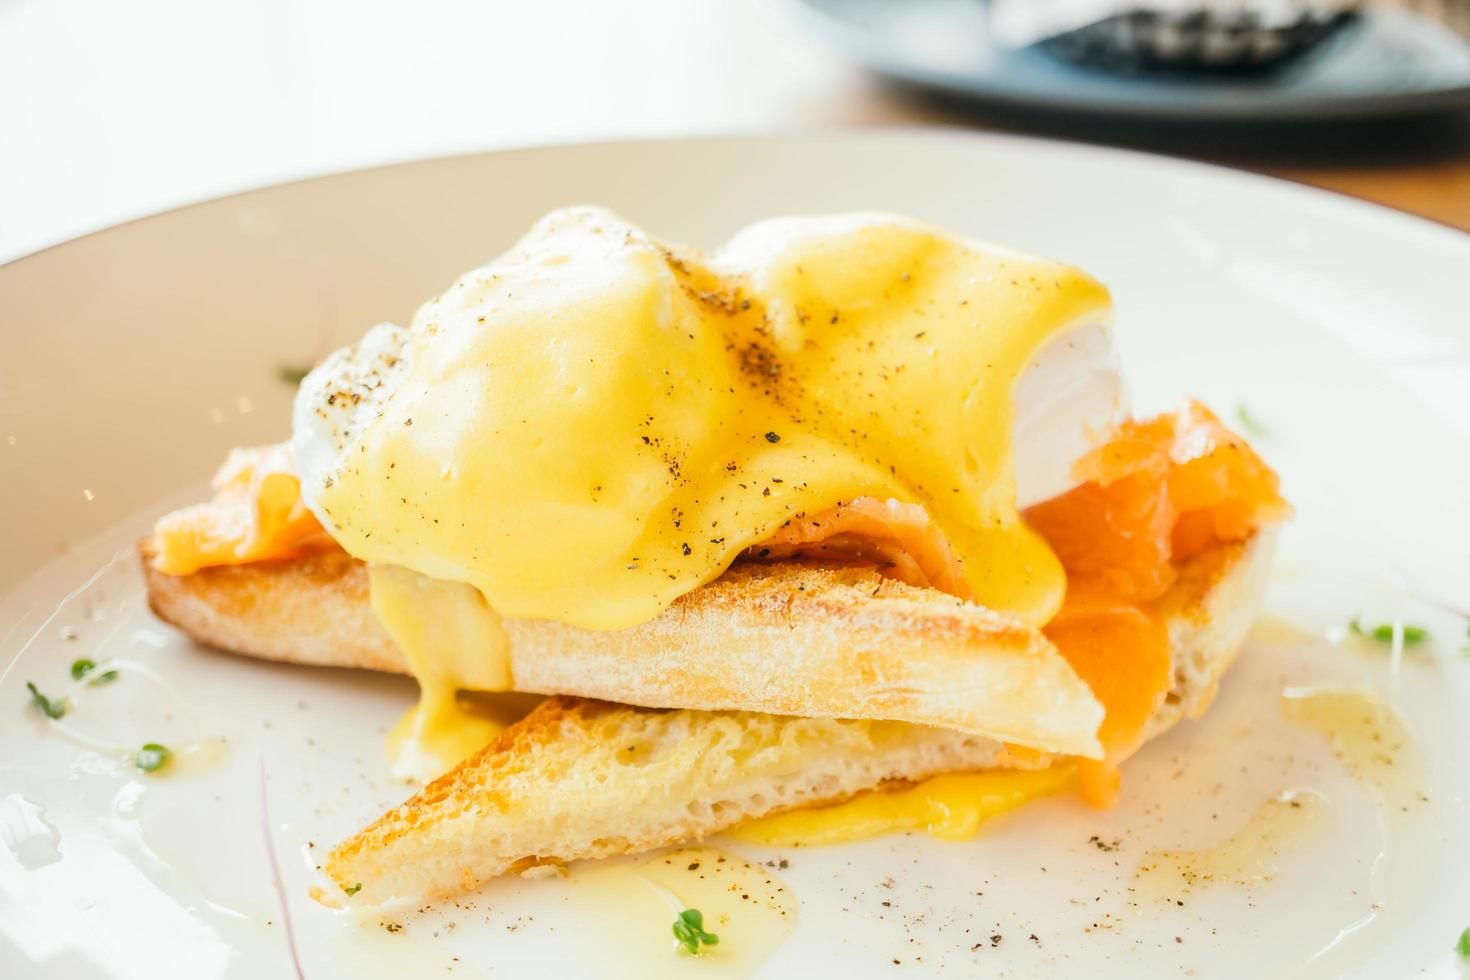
1390 60
1205 39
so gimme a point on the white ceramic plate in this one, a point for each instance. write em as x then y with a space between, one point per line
131 360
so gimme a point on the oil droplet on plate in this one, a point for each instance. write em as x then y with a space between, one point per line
628 907
1249 855
1271 630
26 831
193 758
1376 748
1367 737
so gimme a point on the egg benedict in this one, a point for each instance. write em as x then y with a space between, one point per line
849 472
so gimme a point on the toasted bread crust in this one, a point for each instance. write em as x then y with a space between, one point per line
784 638
310 610
583 779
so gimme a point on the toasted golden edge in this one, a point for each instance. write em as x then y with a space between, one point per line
582 779
1209 611
782 638
551 789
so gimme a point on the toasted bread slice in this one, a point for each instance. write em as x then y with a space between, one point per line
581 779
785 638
584 779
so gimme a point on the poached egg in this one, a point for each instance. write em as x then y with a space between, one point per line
597 422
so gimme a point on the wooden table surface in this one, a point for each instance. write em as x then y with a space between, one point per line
1421 166
117 110
1437 189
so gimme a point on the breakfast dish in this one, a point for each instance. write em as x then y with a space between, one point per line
180 816
847 502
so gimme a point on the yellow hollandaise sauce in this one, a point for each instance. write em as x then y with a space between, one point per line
951 807
450 639
596 423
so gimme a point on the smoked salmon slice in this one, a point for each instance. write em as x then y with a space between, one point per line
897 537
1154 494
256 514
1158 492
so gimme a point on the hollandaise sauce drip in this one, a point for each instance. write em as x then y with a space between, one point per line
950 807
450 639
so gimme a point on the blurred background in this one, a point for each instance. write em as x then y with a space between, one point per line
112 110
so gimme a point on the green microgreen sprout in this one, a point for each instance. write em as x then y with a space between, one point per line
1249 422
82 667
689 931
1463 946
1383 633
153 757
52 708
353 890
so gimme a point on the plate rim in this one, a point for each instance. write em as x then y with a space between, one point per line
1309 194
